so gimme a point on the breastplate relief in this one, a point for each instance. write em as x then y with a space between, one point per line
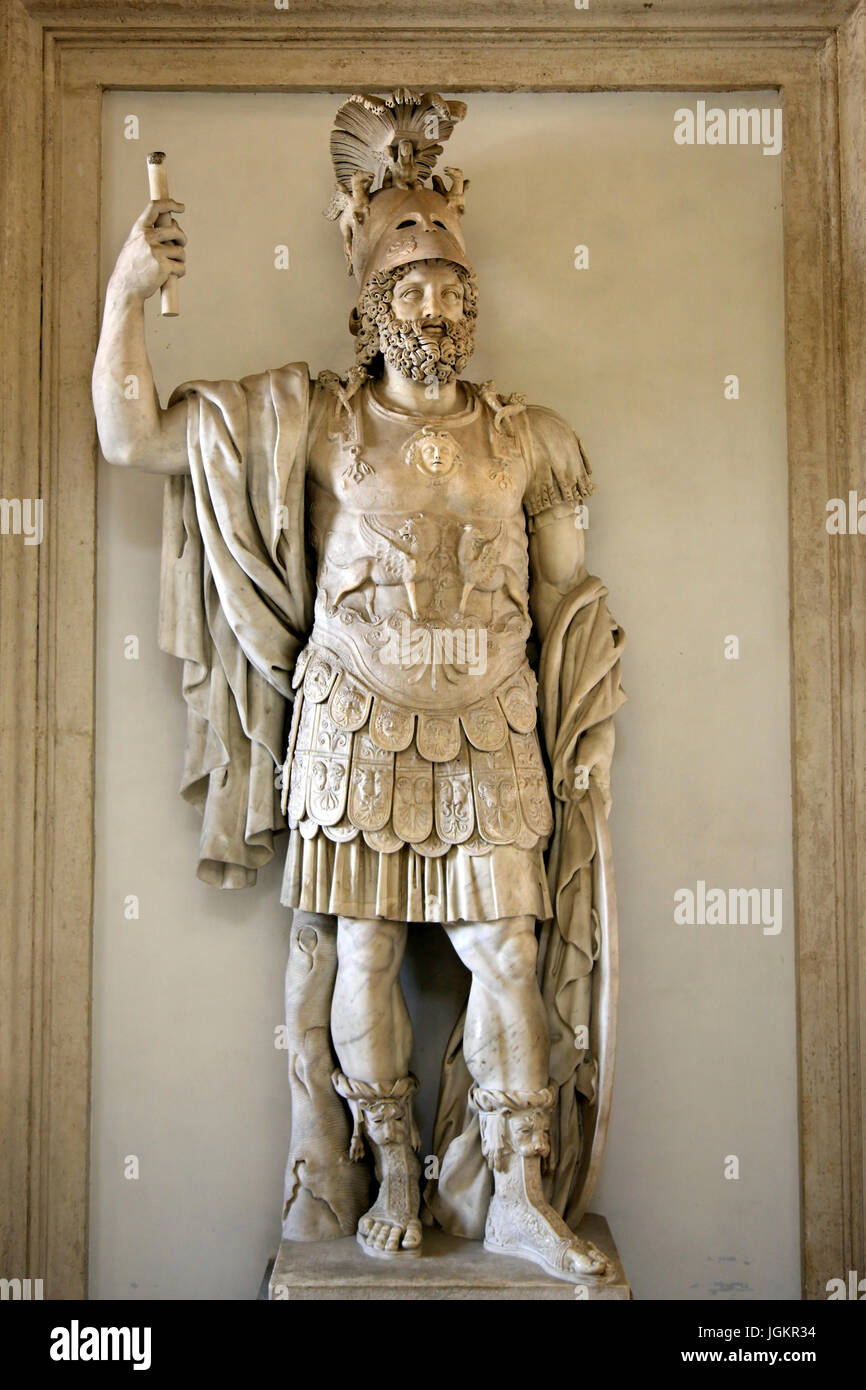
422 577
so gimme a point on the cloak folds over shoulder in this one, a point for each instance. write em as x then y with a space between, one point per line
236 608
236 605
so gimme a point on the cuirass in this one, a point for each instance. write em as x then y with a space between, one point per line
420 545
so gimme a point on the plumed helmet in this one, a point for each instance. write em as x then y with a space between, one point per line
383 150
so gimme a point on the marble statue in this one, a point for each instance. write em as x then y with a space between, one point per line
376 584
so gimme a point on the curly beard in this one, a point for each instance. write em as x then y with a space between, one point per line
406 344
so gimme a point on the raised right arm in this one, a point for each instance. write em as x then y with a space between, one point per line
133 429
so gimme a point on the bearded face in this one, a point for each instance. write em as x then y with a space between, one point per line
429 333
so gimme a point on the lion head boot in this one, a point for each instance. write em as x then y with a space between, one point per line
515 1139
383 1115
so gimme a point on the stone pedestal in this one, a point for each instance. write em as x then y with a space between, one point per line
450 1268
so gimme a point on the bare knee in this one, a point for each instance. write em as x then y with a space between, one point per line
368 948
498 953
518 958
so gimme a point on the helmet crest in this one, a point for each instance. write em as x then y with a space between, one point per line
383 149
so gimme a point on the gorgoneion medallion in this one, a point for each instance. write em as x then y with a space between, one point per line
435 453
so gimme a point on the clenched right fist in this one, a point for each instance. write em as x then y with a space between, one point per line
150 253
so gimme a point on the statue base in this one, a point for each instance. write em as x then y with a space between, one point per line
450 1268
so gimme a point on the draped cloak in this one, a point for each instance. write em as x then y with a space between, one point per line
236 606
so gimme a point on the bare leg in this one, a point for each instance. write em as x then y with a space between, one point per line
505 1040
372 1037
507 1050
369 1020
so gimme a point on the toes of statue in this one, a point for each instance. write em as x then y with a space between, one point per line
412 1238
383 1235
365 1225
587 1260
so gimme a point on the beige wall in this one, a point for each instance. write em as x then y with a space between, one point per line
689 530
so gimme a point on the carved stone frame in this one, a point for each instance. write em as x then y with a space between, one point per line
59 57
